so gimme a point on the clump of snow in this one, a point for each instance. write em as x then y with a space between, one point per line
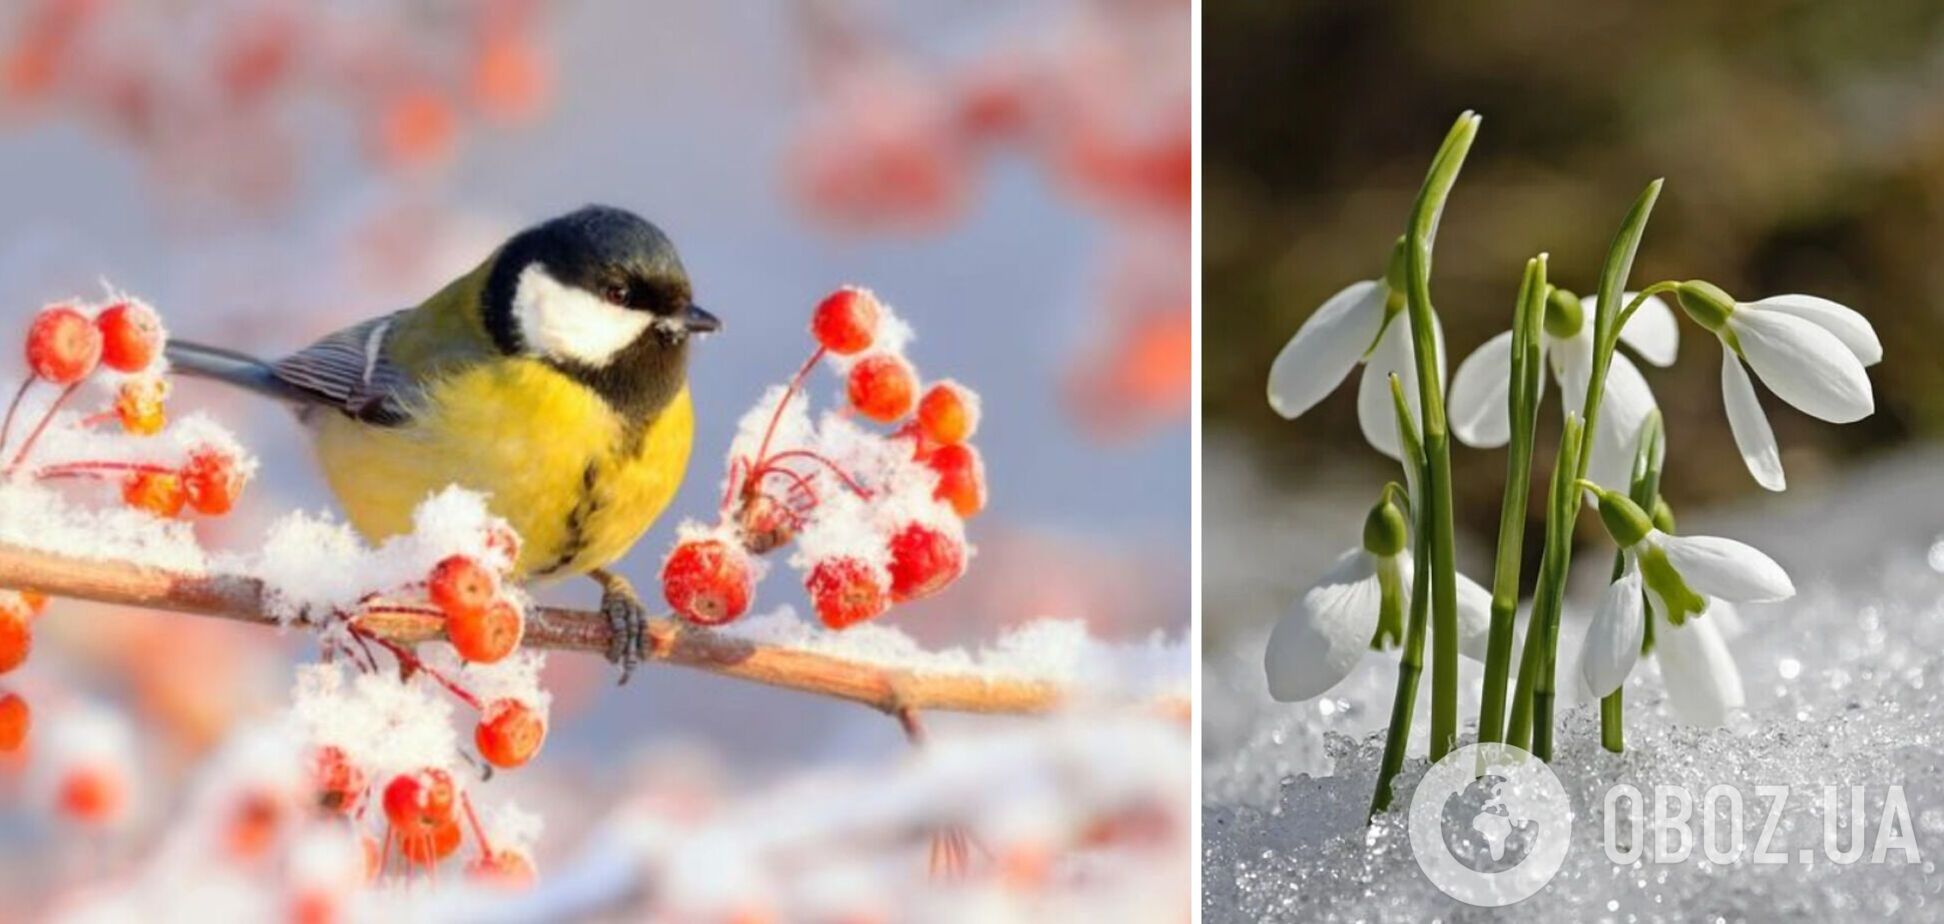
39 517
382 724
1050 650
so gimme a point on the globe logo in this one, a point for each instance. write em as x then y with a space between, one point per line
1490 825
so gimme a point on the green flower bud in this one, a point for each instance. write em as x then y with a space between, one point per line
1564 316
1663 515
1394 282
1665 582
1625 521
1706 303
1385 530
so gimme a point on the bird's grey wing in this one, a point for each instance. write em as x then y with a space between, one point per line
350 372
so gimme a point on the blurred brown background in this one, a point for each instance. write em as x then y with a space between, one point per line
1803 146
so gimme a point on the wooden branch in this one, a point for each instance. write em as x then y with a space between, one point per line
895 691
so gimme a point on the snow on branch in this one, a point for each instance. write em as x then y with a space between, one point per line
881 686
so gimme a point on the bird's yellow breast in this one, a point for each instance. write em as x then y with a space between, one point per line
551 456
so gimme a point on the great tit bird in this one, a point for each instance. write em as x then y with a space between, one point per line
552 379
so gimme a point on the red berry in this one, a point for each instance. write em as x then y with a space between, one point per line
509 733
339 783
63 346
417 803
707 581
459 586
91 794
211 481
846 591
764 523
846 321
16 638
138 405
253 825
883 387
489 635
159 493
430 845
924 560
506 869
504 542
131 335
15 720
949 413
961 478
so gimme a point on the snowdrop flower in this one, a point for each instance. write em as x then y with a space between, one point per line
1674 576
1810 351
1365 323
1359 605
1477 406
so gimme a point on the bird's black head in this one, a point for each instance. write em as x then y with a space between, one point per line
600 294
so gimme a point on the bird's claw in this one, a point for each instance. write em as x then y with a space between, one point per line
627 621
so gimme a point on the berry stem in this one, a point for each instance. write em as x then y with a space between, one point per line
849 482
40 428
789 392
407 658
6 424
472 819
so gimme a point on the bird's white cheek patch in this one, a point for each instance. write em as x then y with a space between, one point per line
564 322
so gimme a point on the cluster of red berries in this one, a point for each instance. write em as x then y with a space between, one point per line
17 612
914 546
67 343
427 816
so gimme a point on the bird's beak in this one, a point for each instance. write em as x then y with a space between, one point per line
697 321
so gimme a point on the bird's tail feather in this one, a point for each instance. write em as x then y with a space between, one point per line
243 371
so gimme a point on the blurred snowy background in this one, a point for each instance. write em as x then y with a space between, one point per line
1800 142
1012 177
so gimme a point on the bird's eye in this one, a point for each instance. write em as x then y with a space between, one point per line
618 294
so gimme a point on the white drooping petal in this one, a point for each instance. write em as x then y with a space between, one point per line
1725 568
1315 645
1571 359
1613 640
1474 619
1750 424
1727 618
1652 331
1326 348
1846 323
1804 364
1477 404
1703 684
1616 435
1394 353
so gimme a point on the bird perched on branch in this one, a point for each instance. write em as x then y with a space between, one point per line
552 378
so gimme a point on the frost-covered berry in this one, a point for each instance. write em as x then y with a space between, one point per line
138 405
883 387
707 581
159 493
428 847
131 335
503 868
948 413
417 803
504 543
961 478
846 321
15 720
339 783
924 561
16 637
509 733
92 794
846 591
765 523
211 481
63 346
461 587
489 635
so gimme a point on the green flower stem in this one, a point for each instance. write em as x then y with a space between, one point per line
1441 545
1644 489
1527 366
1542 634
1562 517
1410 663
